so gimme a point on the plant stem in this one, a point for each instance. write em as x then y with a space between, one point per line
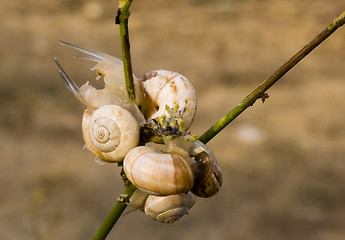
259 92
122 19
114 214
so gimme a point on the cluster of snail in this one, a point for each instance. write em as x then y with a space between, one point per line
147 137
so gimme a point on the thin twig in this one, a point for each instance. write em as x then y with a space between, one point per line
122 19
114 214
259 92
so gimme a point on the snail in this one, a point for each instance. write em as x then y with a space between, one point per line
156 172
165 209
110 132
111 122
168 209
163 88
158 89
111 70
208 177
168 176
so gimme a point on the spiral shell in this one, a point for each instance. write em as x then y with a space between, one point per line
165 88
168 209
158 173
110 132
208 177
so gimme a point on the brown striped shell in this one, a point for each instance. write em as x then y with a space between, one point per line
156 172
207 175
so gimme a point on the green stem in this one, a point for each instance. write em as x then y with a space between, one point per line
122 19
259 92
114 214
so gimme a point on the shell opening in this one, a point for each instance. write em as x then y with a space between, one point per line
172 215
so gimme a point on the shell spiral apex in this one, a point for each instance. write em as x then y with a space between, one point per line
110 132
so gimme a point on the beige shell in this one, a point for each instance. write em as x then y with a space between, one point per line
168 209
110 132
137 200
156 172
165 88
208 177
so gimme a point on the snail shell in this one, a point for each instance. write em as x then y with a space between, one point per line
208 177
110 132
168 209
156 172
165 88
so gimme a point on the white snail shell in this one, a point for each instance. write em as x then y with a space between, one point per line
168 209
158 173
165 88
110 132
208 177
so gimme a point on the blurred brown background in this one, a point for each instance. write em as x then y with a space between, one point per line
283 161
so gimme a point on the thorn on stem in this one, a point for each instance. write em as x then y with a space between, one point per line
264 96
122 198
117 18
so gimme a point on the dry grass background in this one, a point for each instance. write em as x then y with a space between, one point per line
283 161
